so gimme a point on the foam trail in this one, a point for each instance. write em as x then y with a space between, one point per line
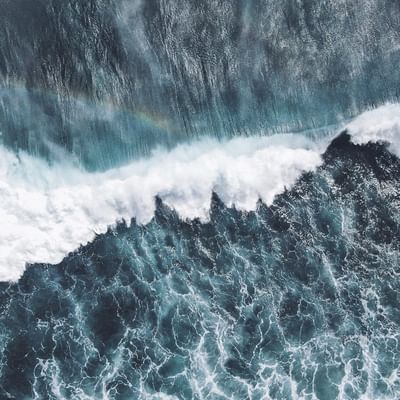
48 211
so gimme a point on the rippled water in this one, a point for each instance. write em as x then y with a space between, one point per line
296 300
199 199
110 80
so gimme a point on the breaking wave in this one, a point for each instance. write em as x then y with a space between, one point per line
49 213
378 125
294 300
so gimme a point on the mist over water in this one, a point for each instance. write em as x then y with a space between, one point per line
199 199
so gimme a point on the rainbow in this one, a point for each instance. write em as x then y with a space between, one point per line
109 104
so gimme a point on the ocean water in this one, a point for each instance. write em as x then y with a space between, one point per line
199 200
285 285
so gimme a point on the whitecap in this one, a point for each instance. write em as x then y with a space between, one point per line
47 211
381 124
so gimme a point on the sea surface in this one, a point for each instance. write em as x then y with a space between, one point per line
199 199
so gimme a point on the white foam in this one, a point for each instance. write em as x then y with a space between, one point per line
378 125
47 212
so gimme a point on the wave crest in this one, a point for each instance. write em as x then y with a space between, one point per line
47 212
378 125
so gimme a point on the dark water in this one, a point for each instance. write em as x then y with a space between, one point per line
297 300
108 80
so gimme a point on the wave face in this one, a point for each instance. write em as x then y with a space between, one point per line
110 80
298 299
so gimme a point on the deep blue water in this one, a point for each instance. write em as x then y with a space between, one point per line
297 300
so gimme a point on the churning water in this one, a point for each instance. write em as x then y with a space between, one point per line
199 199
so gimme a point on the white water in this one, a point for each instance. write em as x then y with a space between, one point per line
378 125
47 212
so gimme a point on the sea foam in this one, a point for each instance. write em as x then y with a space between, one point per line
381 124
47 211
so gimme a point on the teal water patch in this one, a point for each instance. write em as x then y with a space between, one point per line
197 68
